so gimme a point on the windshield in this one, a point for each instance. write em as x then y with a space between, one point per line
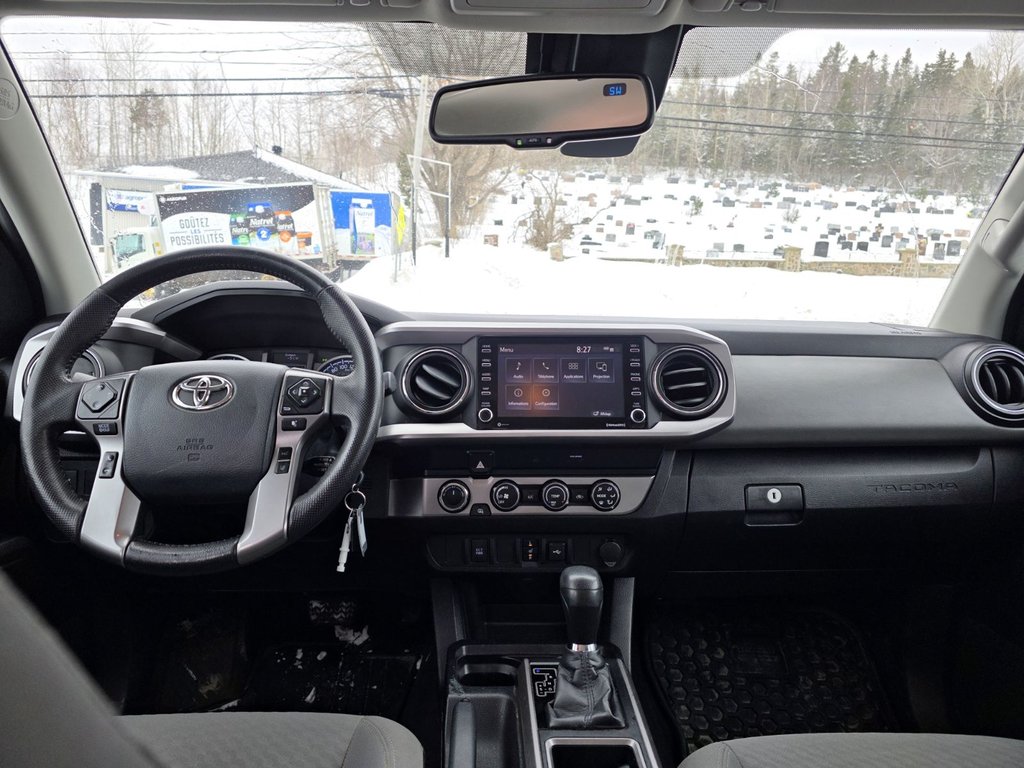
813 174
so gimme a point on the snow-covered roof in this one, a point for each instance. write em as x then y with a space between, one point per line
256 166
159 172
305 172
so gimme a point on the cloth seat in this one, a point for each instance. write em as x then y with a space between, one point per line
861 750
272 739
53 715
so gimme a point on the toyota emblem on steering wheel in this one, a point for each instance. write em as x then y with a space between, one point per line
202 393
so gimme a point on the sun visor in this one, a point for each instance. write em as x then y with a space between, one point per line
567 7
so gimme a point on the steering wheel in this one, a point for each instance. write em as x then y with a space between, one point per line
198 432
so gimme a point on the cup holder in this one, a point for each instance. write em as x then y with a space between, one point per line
486 672
594 753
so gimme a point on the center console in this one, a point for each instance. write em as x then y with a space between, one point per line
527 453
547 706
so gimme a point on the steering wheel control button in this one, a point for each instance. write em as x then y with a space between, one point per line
293 424
770 498
453 496
605 495
108 465
96 397
505 496
480 510
282 467
284 454
103 428
556 552
555 495
305 393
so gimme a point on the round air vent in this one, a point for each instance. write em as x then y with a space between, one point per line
996 380
435 382
688 382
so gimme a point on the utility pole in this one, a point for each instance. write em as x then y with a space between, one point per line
417 154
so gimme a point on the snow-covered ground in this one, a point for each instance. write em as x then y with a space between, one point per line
514 279
626 275
740 220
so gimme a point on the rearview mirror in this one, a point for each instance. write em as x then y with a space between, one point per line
542 111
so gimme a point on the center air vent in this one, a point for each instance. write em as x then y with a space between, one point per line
435 382
996 379
688 382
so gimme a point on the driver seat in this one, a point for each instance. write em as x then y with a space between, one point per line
52 714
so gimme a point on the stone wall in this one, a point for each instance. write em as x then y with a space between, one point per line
909 264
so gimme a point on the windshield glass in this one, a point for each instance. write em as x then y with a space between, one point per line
813 174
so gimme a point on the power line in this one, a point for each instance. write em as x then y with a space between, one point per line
855 115
205 62
143 54
758 133
384 92
817 92
163 33
309 78
843 132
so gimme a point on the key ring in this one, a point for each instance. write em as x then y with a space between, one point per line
355 500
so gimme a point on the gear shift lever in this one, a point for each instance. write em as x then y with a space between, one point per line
584 695
582 597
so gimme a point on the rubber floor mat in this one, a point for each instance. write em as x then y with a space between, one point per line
324 678
727 675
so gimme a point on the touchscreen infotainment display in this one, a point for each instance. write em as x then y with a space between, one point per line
581 382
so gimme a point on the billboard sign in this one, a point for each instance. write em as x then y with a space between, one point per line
362 223
130 201
278 218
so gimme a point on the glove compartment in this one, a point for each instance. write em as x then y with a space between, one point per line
839 509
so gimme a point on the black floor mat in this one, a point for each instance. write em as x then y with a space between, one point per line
325 678
284 653
730 674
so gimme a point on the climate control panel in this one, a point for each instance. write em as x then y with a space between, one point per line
480 496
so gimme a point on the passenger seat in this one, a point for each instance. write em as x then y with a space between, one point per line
861 750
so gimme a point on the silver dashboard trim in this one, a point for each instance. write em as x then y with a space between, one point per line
444 332
661 432
123 329
435 333
418 497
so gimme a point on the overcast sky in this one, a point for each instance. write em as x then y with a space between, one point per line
260 50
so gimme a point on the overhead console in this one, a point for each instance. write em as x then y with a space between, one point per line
579 381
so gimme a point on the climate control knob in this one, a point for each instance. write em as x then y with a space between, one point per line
555 495
604 495
505 496
453 496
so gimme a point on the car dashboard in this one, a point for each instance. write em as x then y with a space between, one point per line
520 445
